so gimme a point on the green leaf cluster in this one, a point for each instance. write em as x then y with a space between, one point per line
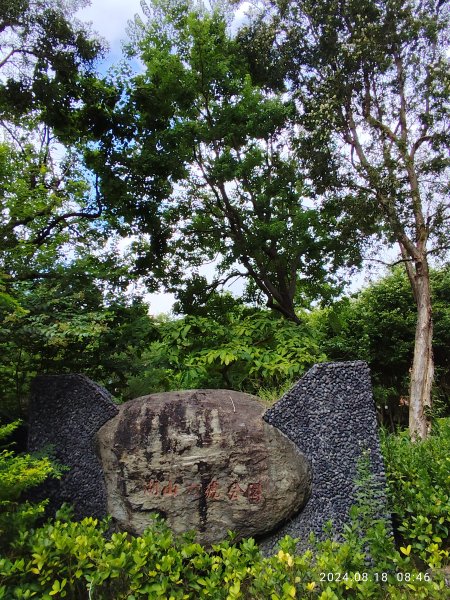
377 325
419 491
71 323
46 61
19 473
77 560
244 349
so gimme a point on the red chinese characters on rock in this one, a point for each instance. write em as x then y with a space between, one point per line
212 490
253 493
170 489
152 487
235 491
156 488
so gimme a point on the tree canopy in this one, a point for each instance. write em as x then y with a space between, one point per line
205 154
46 60
371 86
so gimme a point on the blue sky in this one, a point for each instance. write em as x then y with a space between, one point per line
109 18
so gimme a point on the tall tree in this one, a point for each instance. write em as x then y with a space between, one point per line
46 61
377 325
371 82
49 95
205 152
52 226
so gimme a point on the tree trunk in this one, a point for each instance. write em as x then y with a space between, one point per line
285 306
422 371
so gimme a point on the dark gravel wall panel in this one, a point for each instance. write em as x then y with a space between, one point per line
66 411
330 415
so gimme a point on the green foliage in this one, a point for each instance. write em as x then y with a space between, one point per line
81 560
243 349
371 83
71 324
377 325
50 209
46 61
19 473
44 216
77 560
374 77
210 169
419 491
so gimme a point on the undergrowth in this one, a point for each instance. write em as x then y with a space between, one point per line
78 560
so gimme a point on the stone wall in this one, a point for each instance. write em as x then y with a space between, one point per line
329 414
66 411
206 461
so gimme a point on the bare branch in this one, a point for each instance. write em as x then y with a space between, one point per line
418 143
438 249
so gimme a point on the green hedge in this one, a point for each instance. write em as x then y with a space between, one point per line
82 560
77 561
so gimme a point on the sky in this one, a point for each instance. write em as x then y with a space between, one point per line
109 19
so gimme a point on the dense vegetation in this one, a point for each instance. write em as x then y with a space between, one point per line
284 152
79 560
224 344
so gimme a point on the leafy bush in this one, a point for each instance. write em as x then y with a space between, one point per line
244 349
69 325
76 560
419 491
19 473
79 561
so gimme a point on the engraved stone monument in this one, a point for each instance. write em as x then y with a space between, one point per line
203 459
212 460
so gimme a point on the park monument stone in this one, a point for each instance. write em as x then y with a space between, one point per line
213 460
203 459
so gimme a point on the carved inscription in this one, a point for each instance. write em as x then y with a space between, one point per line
215 490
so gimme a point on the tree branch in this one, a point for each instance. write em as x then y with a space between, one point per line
47 230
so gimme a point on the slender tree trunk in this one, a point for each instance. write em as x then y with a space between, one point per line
422 371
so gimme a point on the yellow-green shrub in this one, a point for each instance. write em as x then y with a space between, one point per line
419 492
19 473
83 561
78 561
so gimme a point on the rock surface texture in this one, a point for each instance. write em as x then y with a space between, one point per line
65 413
330 415
203 459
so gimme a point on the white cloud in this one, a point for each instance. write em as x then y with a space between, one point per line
110 18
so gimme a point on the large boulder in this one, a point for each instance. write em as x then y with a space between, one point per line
203 459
